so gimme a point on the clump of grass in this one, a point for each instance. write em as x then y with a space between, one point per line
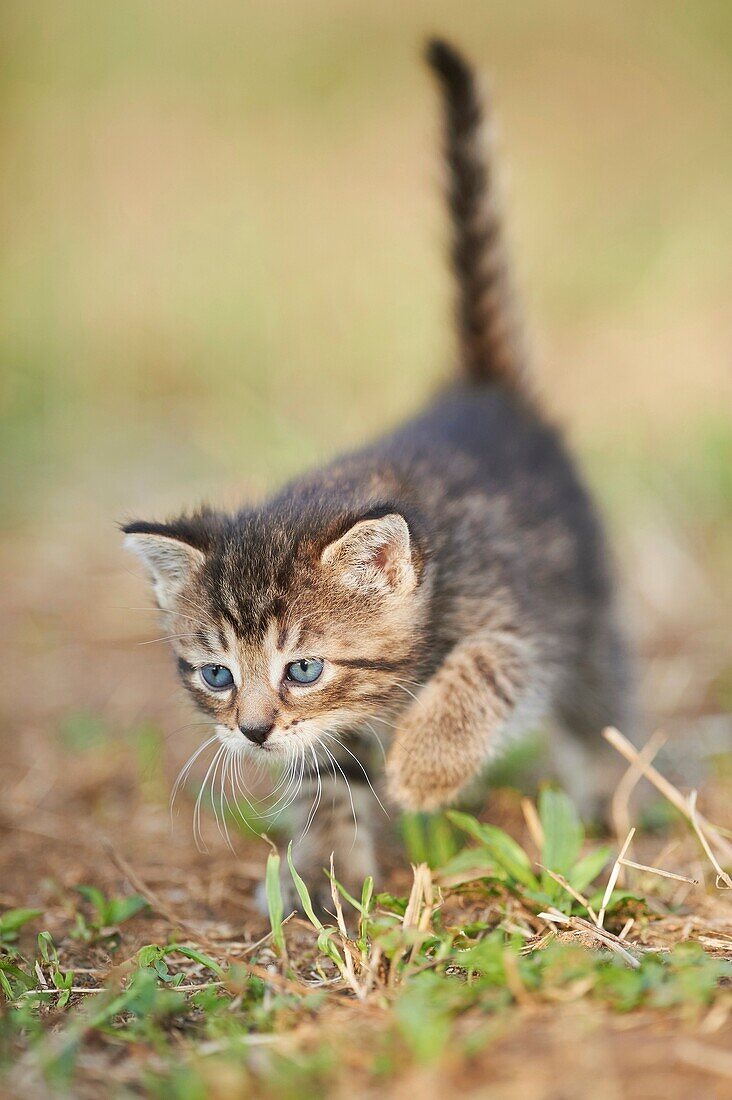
106 914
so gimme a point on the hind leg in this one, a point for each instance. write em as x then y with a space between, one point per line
599 693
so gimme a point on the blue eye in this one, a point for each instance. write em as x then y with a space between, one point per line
217 677
306 671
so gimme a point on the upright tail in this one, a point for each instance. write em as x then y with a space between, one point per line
491 338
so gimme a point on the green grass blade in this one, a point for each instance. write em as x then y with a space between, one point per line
505 852
442 843
199 956
413 835
585 870
273 893
344 893
367 893
302 892
12 920
563 833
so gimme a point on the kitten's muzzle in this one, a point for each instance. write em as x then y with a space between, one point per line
257 734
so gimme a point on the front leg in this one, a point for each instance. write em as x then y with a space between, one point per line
447 735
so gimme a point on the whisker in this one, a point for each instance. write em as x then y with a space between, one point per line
161 611
183 773
248 795
186 725
214 778
350 794
284 778
239 782
316 800
409 693
379 741
298 778
224 798
331 765
197 834
380 718
366 774
295 782
237 789
184 599
285 783
167 638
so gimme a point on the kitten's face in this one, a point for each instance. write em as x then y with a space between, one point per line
282 651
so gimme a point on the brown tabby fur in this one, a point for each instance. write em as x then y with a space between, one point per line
452 576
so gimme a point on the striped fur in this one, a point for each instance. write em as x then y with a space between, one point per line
489 332
452 577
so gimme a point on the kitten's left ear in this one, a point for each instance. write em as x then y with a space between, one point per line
169 560
374 553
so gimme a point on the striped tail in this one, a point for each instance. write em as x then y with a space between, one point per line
491 338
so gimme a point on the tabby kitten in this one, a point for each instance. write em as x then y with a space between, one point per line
447 586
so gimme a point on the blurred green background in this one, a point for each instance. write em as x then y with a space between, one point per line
223 239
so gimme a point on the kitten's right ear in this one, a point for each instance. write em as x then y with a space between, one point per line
374 553
169 560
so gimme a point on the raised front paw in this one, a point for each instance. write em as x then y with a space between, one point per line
420 776
445 738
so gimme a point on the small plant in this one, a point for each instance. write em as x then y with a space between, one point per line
563 872
328 935
15 977
153 956
107 913
61 981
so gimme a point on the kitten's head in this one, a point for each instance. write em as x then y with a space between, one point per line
287 628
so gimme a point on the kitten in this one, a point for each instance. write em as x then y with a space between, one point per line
447 585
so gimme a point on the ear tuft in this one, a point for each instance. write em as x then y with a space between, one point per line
375 554
169 561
